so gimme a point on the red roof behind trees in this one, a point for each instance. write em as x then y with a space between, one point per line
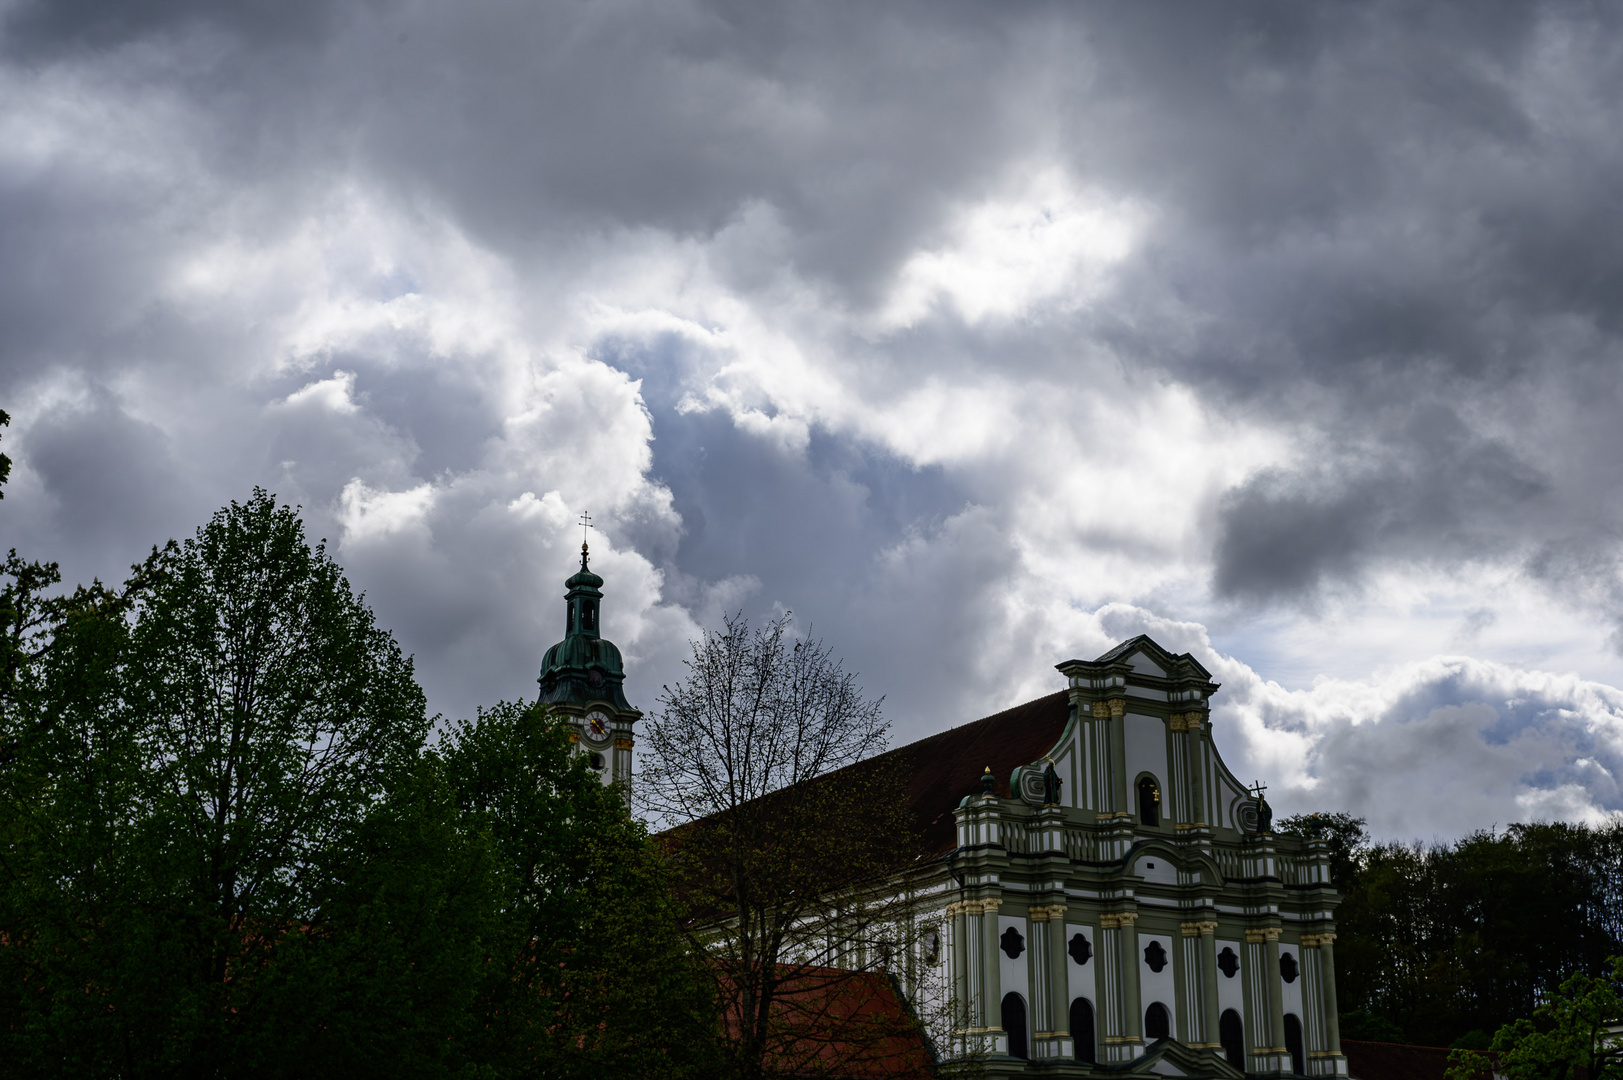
842 1025
1394 1061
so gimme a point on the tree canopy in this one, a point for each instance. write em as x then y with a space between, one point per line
228 847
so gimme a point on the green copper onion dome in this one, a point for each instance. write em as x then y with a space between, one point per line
583 667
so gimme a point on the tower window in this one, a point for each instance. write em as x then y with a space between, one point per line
1231 1033
1293 1043
1149 801
1079 949
1014 1022
1287 967
1012 943
1228 963
1082 1030
1157 1022
1155 955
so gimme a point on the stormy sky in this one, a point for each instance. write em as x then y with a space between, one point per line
980 336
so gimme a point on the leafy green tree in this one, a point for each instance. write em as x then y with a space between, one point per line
1573 1035
185 758
589 974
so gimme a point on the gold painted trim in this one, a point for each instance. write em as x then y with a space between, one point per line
1261 935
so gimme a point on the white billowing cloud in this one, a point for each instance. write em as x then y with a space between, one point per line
1045 242
336 394
369 515
960 343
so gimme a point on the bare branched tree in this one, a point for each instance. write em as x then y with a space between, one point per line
794 843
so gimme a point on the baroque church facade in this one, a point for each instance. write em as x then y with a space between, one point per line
1105 897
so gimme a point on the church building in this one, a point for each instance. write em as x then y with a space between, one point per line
1106 897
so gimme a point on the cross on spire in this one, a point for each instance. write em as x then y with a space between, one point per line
585 523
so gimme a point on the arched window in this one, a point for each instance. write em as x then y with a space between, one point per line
1014 1022
1082 1029
1157 1022
1293 1043
1231 1033
1149 801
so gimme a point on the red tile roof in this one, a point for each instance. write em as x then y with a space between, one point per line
946 767
1394 1061
842 1025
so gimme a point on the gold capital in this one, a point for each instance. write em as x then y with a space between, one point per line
1262 934
1195 929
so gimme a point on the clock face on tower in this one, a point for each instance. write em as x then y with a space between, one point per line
597 724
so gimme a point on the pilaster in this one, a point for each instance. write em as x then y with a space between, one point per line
1199 999
1118 978
1265 1024
1050 1008
1323 1034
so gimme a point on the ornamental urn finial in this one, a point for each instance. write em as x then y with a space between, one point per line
988 781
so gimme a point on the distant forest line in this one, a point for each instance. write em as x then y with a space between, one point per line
1440 944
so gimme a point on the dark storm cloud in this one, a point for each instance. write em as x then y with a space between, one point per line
1387 235
1438 495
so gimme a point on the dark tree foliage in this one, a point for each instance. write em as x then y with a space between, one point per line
1571 1036
588 973
225 849
1441 945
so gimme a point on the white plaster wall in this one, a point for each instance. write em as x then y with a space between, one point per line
1231 992
1292 996
1080 977
1141 663
1146 752
1152 867
1013 973
1158 986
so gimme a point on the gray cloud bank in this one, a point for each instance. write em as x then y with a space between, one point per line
977 335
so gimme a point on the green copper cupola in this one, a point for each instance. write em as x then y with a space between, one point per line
583 668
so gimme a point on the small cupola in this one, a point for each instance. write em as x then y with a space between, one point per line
583 667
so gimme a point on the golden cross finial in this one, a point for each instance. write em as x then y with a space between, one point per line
585 523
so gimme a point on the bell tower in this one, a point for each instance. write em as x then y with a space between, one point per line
582 678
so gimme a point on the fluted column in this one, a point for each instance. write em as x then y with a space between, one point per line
1265 1025
963 1000
1119 972
1059 1016
992 975
1324 1045
1200 951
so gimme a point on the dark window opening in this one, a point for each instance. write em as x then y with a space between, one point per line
1012 943
1014 1022
1231 1033
1157 1022
1079 949
1287 967
1227 962
1293 1043
1149 802
597 761
1155 955
1082 1030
